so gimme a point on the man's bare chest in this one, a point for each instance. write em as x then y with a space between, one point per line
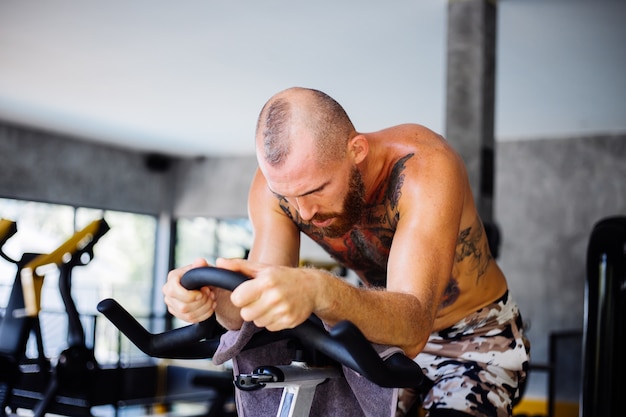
364 248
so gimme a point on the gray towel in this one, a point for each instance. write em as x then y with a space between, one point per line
352 396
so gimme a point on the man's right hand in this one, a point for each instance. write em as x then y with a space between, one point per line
192 306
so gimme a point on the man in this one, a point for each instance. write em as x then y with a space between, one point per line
396 207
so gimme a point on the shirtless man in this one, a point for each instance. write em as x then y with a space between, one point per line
396 207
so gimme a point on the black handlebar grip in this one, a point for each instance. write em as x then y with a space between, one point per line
211 276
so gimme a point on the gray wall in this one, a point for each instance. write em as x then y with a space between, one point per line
49 168
215 187
549 193
41 166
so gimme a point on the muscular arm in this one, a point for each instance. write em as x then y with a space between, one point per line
276 238
420 260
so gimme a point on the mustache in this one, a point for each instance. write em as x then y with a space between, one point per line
320 217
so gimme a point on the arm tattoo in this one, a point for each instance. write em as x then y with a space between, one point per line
471 246
396 182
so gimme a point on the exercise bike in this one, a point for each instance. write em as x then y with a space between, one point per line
342 346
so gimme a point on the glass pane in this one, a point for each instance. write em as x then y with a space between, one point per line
210 238
122 268
123 263
234 238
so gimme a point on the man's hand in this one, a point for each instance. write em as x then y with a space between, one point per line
191 306
277 297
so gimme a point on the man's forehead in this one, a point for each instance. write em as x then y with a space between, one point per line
295 187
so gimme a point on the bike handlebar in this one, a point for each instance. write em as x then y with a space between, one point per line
344 343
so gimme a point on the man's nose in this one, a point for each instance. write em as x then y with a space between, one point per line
306 209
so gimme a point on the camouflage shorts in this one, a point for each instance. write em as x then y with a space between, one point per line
477 365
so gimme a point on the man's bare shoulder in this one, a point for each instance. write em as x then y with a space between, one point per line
410 159
410 137
406 131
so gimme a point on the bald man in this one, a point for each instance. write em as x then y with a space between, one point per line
396 207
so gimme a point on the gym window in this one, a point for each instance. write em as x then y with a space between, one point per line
122 267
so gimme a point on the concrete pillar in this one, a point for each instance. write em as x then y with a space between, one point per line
470 93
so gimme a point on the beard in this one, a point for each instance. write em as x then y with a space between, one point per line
352 209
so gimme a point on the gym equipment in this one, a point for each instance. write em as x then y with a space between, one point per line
344 345
22 317
7 229
76 382
605 319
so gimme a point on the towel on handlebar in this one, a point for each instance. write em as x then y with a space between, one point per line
352 396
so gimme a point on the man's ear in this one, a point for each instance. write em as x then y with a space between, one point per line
358 147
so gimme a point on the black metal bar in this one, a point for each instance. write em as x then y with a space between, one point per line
344 343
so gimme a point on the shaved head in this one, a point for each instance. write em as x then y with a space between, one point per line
298 114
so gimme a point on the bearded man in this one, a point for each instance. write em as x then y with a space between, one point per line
396 207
